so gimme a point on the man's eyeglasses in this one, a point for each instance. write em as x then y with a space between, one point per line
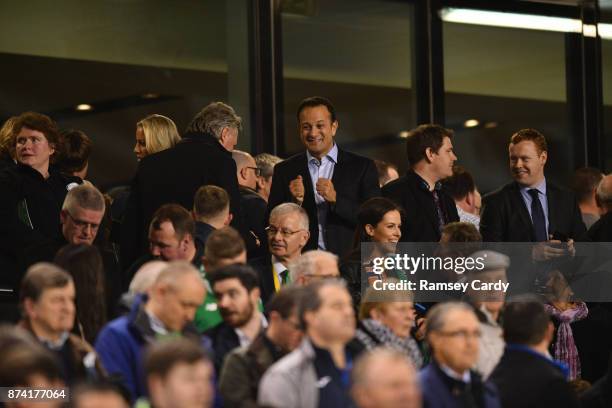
286 233
462 334
83 224
257 170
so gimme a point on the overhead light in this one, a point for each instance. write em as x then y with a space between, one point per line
470 123
150 95
605 31
403 134
511 20
84 107
491 125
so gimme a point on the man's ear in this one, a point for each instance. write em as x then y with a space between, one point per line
28 307
334 127
229 219
255 294
429 154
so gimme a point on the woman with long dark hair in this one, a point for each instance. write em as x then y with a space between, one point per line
379 224
84 263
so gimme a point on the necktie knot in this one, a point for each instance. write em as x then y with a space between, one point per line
533 192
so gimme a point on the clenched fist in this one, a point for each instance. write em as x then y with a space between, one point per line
326 189
296 187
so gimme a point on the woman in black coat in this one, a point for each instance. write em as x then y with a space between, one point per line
32 192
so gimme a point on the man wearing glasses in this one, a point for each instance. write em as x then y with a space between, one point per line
287 235
253 207
453 332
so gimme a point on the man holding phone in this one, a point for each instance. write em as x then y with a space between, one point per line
531 208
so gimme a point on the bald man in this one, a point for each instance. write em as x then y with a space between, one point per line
252 206
601 231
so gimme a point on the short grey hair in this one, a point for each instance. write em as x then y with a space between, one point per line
287 208
311 300
604 191
85 196
266 162
306 263
436 317
214 118
146 275
359 374
176 270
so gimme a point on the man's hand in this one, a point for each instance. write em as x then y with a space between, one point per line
545 251
296 187
326 189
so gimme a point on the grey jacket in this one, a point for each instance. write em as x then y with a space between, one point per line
292 381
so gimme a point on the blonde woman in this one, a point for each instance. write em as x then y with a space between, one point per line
7 155
154 134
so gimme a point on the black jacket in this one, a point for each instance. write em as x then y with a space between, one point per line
505 217
30 208
420 219
263 267
527 380
173 176
601 231
224 339
253 219
355 180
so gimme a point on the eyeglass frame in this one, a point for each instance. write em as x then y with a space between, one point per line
257 170
82 224
285 233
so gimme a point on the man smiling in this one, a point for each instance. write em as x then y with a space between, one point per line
328 182
531 208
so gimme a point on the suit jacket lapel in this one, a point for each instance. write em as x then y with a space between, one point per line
339 169
309 198
553 216
517 203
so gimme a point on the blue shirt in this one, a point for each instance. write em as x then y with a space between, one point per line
541 187
321 169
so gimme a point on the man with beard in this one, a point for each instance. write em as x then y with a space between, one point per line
237 291
531 208
244 367
427 207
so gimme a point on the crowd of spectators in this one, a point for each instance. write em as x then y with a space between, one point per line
219 278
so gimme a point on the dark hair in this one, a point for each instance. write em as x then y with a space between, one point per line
460 184
244 273
181 220
532 135
585 181
162 356
85 265
382 167
22 361
42 276
425 137
372 212
101 386
525 320
462 232
310 299
41 123
314 101
285 301
210 201
76 147
224 243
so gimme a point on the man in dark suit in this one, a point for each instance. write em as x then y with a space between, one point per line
329 182
287 235
203 156
526 376
511 214
601 231
253 208
427 207
237 291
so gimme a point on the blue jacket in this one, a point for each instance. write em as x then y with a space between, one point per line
122 342
438 389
